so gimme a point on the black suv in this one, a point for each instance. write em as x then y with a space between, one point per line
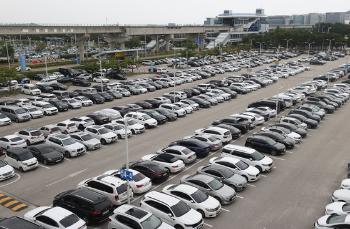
89 205
265 144
15 222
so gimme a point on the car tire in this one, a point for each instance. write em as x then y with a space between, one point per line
67 154
21 169
16 120
103 141
259 168
218 199
133 132
119 136
245 177
81 127
45 162
28 143
178 227
273 153
202 212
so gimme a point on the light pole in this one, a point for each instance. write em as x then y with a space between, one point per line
127 155
330 44
45 57
7 53
260 45
309 44
288 43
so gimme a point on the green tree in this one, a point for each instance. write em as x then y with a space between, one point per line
3 51
7 74
40 46
133 42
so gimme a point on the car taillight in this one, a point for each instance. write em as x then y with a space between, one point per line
175 166
157 174
95 213
139 185
189 157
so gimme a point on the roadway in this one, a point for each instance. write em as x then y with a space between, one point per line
293 195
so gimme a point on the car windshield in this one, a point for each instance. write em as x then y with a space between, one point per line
20 111
257 156
68 141
151 222
336 219
3 116
186 151
2 163
86 137
15 139
25 156
35 133
47 106
138 176
180 209
215 184
132 122
69 220
199 196
242 165
103 131
122 188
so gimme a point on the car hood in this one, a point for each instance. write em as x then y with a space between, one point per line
191 217
165 226
345 184
343 194
53 154
323 220
335 207
252 170
93 141
237 179
210 203
30 214
6 169
266 161
108 135
226 192
294 135
74 146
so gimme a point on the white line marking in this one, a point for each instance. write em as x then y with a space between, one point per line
66 159
17 178
263 175
290 152
208 225
251 185
67 177
277 158
43 166
274 167
226 210
241 197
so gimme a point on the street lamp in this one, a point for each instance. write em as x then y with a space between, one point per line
127 155
7 53
309 44
260 43
330 44
288 43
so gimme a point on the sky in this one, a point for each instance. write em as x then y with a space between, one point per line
150 11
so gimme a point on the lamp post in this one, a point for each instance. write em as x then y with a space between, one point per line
127 155
330 44
288 43
309 44
7 53
260 45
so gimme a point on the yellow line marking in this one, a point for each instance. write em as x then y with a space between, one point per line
11 203
5 199
19 207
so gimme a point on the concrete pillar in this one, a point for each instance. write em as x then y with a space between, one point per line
81 48
168 39
157 44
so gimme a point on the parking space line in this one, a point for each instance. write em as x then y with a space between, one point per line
275 167
43 166
277 158
241 197
263 175
225 210
252 185
66 177
208 225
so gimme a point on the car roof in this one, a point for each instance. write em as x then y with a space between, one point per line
188 189
89 195
115 181
16 222
132 211
164 198
228 159
201 177
237 147
57 213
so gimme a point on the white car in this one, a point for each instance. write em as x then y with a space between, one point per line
180 112
105 135
223 134
118 129
30 89
45 107
87 140
139 184
185 106
143 119
111 113
293 121
50 130
66 145
167 161
84 101
4 120
345 184
339 208
55 218
249 156
113 187
172 210
132 124
67 127
101 80
82 122
272 112
207 205
34 111
6 171
73 103
180 152
333 221
31 135
129 215
341 195
250 173
259 120
12 141
21 159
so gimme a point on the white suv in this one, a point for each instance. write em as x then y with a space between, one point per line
31 135
143 119
66 145
30 89
67 127
172 210
207 205
223 134
112 187
248 155
105 135
180 112
46 107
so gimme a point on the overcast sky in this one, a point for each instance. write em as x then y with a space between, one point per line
150 11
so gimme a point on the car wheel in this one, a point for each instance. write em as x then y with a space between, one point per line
81 127
273 153
21 169
16 120
245 177
103 141
28 143
119 136
45 162
218 199
178 227
202 213
133 132
67 154
259 168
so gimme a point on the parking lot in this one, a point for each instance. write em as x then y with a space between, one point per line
291 196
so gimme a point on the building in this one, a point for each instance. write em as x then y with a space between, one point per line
335 17
241 25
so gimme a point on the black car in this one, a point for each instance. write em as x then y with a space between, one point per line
60 105
161 119
45 88
89 205
266 103
134 107
94 97
235 132
106 96
81 82
285 140
265 144
122 109
328 108
171 116
306 114
144 104
292 127
99 119
115 94
151 170
155 103
59 86
229 91
16 222
239 123
201 149
46 154
310 122
201 102
72 94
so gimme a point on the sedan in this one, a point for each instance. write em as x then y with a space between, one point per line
181 153
168 161
201 149
46 154
341 195
339 208
151 169
333 221
265 144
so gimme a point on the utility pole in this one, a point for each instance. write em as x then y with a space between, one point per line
7 53
127 155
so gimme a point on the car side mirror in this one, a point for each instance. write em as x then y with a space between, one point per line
170 215
250 159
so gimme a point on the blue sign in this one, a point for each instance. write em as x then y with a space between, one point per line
199 41
22 62
126 175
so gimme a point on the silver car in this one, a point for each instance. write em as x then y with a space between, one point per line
181 153
87 140
212 186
